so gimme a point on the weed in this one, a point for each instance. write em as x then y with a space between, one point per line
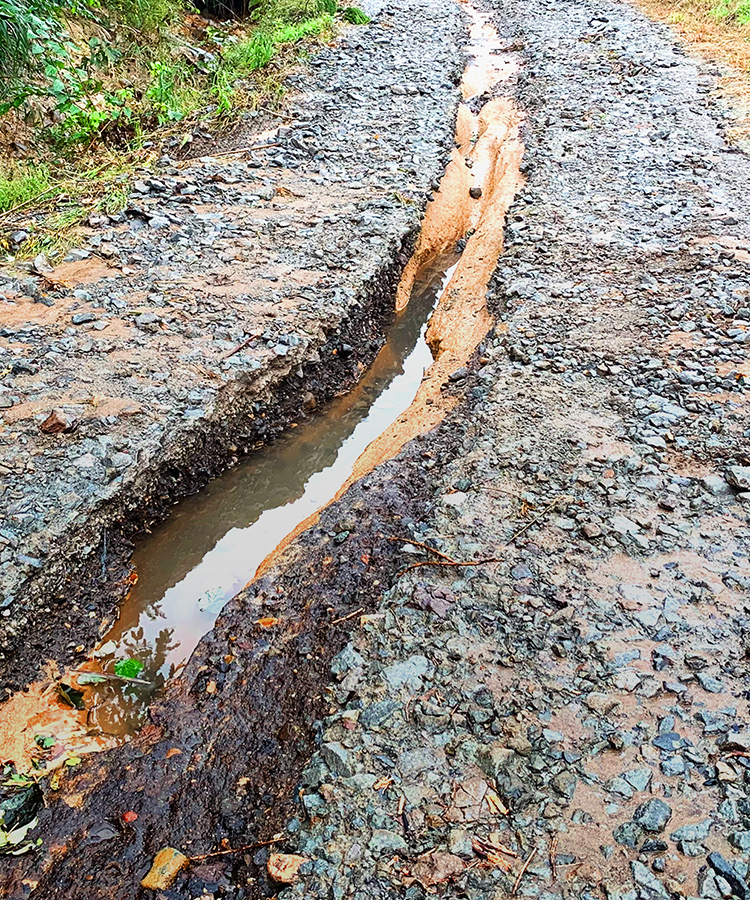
290 34
87 123
249 56
147 15
162 92
21 183
279 11
67 217
354 15
222 90
15 40
114 201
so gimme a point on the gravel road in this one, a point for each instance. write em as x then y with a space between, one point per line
583 702
568 721
233 292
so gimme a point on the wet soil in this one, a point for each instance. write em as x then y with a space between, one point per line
233 732
212 545
576 697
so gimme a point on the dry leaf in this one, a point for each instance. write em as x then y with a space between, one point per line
493 839
268 622
498 861
284 867
495 804
382 783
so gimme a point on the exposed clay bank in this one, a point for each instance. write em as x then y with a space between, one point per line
214 544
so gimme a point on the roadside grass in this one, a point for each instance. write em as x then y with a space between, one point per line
173 87
60 203
718 30
732 11
21 183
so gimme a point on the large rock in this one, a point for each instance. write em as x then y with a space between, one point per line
653 815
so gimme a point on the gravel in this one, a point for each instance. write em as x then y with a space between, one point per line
189 326
548 704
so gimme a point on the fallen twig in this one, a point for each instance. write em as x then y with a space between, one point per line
482 844
440 562
245 343
275 840
553 856
425 547
538 518
350 615
449 561
525 866
240 150
280 115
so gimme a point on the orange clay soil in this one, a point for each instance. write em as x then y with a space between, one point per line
492 145
40 711
488 157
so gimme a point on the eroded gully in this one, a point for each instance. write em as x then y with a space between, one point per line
221 539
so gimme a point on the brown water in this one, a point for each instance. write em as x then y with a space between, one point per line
212 543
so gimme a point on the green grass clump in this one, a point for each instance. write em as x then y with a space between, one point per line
298 31
249 55
21 183
354 15
732 11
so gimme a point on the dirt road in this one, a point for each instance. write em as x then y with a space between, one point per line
557 704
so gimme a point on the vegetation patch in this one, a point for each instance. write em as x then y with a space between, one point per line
20 184
90 88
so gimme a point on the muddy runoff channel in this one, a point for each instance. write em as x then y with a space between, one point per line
207 732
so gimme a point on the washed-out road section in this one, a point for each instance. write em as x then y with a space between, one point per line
570 721
232 296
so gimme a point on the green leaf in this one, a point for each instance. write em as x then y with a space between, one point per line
128 668
45 741
18 780
71 696
73 761
14 842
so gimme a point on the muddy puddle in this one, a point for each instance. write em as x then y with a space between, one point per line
213 544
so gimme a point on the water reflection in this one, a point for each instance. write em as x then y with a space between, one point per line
213 543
